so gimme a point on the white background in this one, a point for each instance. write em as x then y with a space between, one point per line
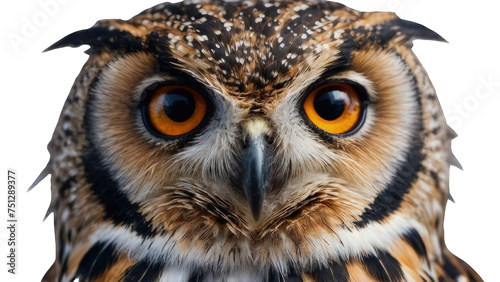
465 73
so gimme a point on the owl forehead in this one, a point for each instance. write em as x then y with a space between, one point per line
250 48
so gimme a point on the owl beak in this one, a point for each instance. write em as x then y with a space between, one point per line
256 171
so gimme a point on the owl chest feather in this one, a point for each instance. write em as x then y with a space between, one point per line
357 255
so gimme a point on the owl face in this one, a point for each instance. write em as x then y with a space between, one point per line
208 142
251 136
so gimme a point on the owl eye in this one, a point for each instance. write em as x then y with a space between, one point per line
174 110
335 108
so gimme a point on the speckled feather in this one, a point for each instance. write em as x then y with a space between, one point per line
132 207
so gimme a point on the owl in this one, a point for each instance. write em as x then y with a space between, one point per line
252 141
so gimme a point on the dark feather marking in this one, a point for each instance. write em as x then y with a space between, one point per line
333 272
197 275
341 64
96 261
435 177
383 267
413 238
60 255
275 276
293 276
450 269
391 197
471 273
375 268
62 244
144 271
117 207
158 44
391 265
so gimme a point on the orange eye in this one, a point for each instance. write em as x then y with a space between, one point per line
174 110
334 108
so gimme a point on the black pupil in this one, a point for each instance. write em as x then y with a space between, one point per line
329 103
179 105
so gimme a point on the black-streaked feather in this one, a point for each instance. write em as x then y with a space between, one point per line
96 261
333 272
383 267
143 271
413 238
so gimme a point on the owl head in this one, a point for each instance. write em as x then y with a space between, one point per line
257 135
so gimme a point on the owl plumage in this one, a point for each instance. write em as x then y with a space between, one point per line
254 189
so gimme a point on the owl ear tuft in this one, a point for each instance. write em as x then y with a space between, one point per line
99 37
414 31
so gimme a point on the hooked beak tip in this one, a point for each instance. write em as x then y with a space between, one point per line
256 208
256 167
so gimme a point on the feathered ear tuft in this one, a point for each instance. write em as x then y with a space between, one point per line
414 31
99 37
